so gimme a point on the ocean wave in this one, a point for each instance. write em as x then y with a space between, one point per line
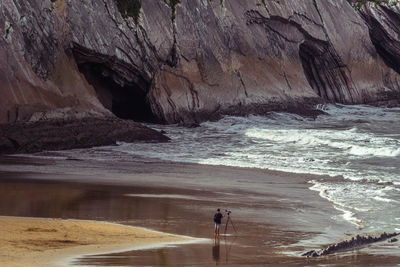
349 141
374 151
365 204
347 215
363 112
378 198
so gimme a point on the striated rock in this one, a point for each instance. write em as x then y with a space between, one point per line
235 55
72 133
384 28
194 61
36 73
354 243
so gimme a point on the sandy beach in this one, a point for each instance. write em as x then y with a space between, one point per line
275 215
38 242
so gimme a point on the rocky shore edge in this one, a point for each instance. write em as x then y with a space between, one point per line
61 134
353 243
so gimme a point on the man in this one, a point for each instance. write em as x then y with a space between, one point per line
217 220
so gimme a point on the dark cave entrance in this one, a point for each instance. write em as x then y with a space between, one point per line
124 100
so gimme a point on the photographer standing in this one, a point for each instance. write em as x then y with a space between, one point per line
217 220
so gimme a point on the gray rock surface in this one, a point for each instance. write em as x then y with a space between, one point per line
213 57
36 73
42 135
384 28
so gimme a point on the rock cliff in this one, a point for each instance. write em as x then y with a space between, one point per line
384 28
194 60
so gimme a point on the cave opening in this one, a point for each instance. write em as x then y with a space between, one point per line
125 100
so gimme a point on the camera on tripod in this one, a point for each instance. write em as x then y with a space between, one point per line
229 220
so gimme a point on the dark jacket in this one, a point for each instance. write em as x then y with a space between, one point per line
217 217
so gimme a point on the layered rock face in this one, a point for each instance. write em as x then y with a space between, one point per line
192 61
36 73
384 28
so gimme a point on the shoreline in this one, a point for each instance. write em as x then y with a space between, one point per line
58 242
86 171
277 216
124 167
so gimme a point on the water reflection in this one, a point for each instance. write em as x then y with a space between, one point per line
85 201
216 251
255 244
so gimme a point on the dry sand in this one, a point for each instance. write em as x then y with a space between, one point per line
35 242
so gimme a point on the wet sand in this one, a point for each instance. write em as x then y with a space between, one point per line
37 242
275 214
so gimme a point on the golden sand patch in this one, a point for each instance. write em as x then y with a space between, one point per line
35 242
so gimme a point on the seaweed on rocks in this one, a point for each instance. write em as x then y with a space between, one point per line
353 243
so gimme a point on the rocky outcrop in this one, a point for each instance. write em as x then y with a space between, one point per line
72 133
189 62
36 73
384 28
352 244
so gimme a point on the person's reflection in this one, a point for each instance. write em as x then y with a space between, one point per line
215 251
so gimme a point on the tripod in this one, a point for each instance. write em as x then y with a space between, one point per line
227 222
